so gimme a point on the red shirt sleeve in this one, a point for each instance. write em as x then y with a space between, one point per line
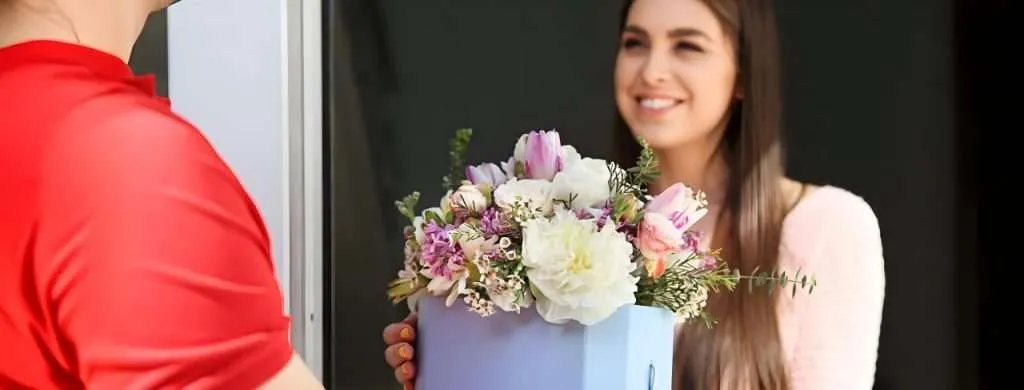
155 263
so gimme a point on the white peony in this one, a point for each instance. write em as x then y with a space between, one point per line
585 182
569 156
577 272
534 194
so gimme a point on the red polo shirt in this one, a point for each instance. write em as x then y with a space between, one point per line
130 255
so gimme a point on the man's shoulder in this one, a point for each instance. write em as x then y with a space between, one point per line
125 128
112 148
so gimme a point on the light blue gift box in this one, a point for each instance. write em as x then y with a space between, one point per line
460 350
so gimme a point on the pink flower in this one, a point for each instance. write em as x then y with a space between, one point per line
488 173
657 237
679 204
468 199
541 154
708 261
664 229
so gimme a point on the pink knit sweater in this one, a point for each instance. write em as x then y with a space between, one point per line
830 336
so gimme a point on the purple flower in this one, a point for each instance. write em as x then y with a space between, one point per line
440 255
541 154
708 261
679 220
491 222
602 215
486 173
691 240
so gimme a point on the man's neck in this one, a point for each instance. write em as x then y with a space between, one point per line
108 26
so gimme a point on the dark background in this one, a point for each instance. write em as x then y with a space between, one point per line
888 99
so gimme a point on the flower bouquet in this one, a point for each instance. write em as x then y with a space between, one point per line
559 265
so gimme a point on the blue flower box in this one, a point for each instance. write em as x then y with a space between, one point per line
460 350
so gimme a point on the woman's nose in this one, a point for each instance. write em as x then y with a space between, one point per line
656 69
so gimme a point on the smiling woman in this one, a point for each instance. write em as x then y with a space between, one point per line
690 75
699 81
675 77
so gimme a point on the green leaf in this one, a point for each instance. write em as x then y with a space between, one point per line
433 216
407 206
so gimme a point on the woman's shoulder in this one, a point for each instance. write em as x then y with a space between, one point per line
829 204
832 235
828 219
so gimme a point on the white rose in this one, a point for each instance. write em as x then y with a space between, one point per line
577 272
534 194
585 182
468 198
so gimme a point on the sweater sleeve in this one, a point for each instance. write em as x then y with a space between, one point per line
838 323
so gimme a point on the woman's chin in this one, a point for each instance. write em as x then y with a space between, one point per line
661 139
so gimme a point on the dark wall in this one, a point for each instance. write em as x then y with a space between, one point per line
870 107
869 89
150 53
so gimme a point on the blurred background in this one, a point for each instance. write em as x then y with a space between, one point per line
879 99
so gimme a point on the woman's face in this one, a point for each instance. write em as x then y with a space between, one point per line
675 73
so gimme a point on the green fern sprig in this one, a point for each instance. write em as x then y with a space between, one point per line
458 146
644 172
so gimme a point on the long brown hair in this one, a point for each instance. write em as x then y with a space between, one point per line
744 348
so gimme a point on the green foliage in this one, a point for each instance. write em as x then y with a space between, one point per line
775 279
407 206
458 146
688 281
645 171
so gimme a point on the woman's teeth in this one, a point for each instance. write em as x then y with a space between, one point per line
657 104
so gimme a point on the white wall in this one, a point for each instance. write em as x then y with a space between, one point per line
226 66
236 70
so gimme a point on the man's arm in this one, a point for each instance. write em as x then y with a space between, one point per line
155 263
295 375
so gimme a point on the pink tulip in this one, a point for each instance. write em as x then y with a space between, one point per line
657 238
541 154
486 173
679 204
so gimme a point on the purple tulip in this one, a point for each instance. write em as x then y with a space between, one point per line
541 154
486 173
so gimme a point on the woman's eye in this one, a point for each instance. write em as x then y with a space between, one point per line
687 46
630 43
